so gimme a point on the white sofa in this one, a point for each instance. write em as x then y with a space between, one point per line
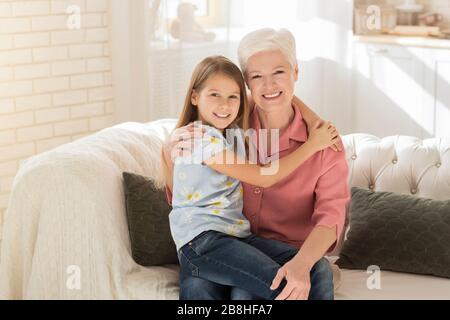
65 234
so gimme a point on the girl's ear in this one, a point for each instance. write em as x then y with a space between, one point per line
194 98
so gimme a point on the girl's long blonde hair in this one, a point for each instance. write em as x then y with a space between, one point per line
205 69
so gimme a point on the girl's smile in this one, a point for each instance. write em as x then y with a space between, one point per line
218 101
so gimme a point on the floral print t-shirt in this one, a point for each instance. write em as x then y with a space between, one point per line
204 199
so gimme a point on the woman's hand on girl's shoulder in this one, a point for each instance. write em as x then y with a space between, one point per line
181 141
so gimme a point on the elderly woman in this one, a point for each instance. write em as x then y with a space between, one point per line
306 210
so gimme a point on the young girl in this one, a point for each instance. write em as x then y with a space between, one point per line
211 234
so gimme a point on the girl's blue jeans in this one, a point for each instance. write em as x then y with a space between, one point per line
219 267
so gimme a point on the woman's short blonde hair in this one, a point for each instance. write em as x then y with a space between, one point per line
265 40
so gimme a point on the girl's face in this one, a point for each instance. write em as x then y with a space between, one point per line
271 80
218 101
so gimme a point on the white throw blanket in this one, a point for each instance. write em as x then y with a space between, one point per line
65 233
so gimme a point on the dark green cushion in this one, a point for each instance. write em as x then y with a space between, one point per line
397 232
148 222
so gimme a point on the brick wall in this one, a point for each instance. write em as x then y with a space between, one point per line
55 82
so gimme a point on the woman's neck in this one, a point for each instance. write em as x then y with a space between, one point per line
275 119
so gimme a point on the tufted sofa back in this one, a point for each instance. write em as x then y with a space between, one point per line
400 164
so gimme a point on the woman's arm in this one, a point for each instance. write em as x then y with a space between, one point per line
250 173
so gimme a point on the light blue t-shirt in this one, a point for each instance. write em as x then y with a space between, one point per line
204 199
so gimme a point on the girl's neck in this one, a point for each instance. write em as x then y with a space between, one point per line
275 119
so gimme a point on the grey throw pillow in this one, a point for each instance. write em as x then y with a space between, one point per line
397 232
148 222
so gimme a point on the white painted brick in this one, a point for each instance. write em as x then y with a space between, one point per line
87 110
97 35
16 151
106 19
6 183
31 40
52 115
4 198
109 107
106 50
101 122
34 133
67 37
86 51
60 6
97 5
45 145
6 74
108 78
8 168
33 102
69 98
98 64
30 8
46 23
7 137
13 57
68 67
51 84
11 89
32 71
5 10
71 127
6 42
79 136
50 54
91 20
15 120
100 94
10 26
86 81
6 106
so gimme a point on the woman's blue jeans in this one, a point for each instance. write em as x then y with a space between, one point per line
215 266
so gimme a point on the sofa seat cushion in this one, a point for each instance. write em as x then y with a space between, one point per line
393 286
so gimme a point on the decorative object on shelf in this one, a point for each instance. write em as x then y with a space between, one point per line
408 13
185 28
430 19
422 31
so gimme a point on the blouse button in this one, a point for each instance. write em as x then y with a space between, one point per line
354 157
394 161
371 187
257 191
413 191
438 164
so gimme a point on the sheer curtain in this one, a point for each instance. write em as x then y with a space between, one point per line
161 41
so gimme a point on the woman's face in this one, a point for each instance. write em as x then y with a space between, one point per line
271 80
218 101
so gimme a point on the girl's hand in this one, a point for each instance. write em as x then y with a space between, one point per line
336 146
323 135
181 142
